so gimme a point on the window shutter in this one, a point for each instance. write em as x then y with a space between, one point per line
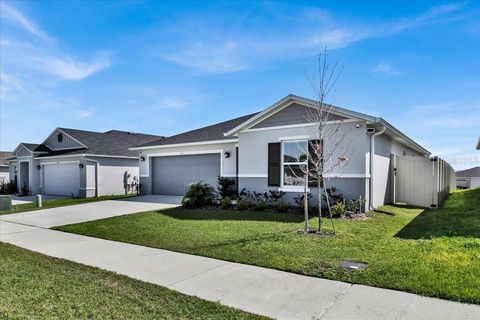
274 155
312 182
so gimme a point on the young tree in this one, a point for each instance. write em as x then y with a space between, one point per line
327 150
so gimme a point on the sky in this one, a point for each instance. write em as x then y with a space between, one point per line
166 67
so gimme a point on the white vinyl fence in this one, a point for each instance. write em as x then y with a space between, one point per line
421 181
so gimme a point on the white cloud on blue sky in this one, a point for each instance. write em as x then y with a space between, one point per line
165 68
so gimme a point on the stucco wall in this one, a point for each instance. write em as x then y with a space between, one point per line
114 174
253 145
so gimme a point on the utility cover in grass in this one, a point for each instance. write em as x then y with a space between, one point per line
354 266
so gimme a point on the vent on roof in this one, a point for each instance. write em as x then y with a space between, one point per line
132 133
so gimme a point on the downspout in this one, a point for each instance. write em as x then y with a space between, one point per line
372 153
97 167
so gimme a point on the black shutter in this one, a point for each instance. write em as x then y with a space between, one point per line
274 164
312 145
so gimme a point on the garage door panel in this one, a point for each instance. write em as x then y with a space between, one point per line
61 179
171 175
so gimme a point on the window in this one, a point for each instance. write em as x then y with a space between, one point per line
294 162
60 137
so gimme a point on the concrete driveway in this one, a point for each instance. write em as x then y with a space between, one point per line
59 216
28 199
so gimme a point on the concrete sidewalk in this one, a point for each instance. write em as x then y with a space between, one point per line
258 290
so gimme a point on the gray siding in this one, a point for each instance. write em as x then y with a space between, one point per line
293 114
67 142
23 152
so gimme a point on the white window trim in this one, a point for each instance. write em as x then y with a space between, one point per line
283 187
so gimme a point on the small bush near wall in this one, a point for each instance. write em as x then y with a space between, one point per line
199 195
226 187
8 187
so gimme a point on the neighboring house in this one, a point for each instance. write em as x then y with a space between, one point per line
469 178
4 168
79 163
252 150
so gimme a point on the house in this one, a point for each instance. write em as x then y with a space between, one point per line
252 149
4 169
469 178
79 163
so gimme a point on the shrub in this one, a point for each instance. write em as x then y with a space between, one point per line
25 190
8 188
243 204
282 206
333 196
226 187
261 206
300 199
198 195
225 203
276 195
355 206
337 210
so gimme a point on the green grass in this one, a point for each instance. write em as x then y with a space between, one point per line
24 207
433 252
34 286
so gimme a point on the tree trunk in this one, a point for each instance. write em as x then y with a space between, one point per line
319 185
305 203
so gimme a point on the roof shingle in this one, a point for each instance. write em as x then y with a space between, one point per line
209 133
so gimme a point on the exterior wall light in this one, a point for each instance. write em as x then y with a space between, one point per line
226 154
142 158
39 167
80 165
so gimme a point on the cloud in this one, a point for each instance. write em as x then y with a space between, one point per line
209 59
32 54
85 113
69 69
227 48
174 103
386 69
445 128
15 17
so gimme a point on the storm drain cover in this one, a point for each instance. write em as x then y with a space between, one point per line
354 266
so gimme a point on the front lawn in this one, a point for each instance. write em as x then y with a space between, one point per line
34 286
433 252
58 203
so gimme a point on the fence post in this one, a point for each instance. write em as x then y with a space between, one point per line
393 175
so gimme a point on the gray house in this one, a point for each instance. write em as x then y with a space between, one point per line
254 150
78 163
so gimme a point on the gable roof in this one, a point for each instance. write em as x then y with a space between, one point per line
32 147
286 101
472 172
109 143
210 133
232 127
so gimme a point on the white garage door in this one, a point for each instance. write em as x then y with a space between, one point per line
61 179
